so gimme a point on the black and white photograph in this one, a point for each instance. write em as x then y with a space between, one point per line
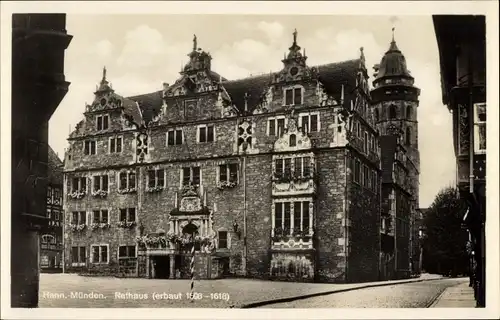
299 158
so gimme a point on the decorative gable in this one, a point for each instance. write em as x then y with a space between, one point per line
292 139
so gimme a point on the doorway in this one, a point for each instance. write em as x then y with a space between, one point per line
161 266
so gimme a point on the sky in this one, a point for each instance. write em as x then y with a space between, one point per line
141 52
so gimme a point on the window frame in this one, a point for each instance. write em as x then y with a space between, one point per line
115 138
156 170
128 173
102 117
79 179
276 132
206 127
100 220
175 132
226 247
309 121
227 167
100 246
127 214
304 216
477 125
99 178
79 263
128 252
191 175
293 88
92 149
79 215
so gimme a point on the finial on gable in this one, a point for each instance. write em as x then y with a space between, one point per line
104 73
362 55
393 28
195 43
295 36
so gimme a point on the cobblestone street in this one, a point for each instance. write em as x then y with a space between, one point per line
408 295
68 290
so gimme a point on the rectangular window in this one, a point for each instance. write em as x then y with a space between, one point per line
272 127
293 96
281 126
127 215
127 180
156 178
89 147
309 122
99 253
276 126
480 127
79 217
78 255
357 173
125 252
279 167
366 143
206 133
174 137
115 145
287 166
101 183
191 175
100 216
102 122
283 219
228 172
79 184
222 239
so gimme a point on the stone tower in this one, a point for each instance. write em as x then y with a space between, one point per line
395 106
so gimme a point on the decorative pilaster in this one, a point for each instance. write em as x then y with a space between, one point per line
273 215
311 209
172 266
292 214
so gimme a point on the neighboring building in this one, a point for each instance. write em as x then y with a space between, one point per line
38 86
278 175
395 103
462 50
51 240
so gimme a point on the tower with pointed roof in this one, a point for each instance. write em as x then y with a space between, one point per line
395 102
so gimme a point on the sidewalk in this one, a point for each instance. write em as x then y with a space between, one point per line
459 296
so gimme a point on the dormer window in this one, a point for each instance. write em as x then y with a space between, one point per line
293 96
102 122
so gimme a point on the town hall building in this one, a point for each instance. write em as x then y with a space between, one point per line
274 176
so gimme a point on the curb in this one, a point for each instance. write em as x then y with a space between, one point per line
436 299
324 293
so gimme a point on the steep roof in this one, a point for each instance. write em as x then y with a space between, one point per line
388 146
149 103
55 168
393 64
332 75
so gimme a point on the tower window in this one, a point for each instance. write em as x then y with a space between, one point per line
408 136
409 112
376 115
392 112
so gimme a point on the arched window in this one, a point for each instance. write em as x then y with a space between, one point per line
293 140
409 111
408 136
392 112
376 115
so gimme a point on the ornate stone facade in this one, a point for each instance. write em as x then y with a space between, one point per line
270 176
